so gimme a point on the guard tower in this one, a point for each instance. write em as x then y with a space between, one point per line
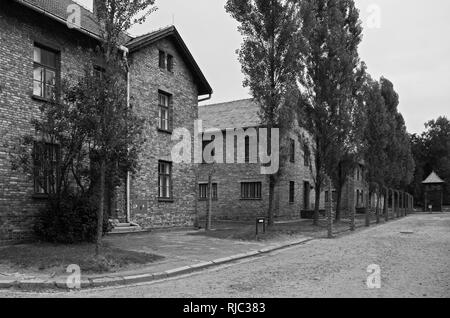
434 193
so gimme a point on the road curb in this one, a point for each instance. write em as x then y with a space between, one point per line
118 280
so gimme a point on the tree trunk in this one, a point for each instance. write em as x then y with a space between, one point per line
368 210
101 207
330 214
386 203
338 203
317 206
270 219
378 205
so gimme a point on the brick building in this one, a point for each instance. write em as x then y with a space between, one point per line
241 191
37 50
232 183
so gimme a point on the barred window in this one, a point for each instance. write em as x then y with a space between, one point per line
165 180
203 191
46 164
45 72
251 190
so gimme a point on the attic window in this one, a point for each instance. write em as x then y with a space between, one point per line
162 59
165 61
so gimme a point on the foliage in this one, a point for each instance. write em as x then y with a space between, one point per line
330 81
71 219
431 152
270 61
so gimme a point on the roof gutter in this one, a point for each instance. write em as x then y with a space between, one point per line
205 99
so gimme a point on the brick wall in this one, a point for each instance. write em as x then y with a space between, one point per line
146 80
19 29
230 206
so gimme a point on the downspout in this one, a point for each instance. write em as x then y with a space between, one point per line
128 179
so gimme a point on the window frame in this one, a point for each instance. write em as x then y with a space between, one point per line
247 194
165 176
166 108
45 67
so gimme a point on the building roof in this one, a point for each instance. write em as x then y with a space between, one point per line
171 32
236 114
433 178
57 10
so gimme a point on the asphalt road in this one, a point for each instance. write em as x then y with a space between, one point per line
414 263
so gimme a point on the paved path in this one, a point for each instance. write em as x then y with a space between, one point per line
414 264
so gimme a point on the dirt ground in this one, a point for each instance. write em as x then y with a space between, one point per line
413 254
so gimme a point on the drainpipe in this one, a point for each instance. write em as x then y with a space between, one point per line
128 180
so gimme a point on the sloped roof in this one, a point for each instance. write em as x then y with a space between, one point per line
57 9
171 32
433 178
236 114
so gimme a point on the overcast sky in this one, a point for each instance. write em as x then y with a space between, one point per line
408 42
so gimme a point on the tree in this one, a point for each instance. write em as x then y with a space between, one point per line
400 164
269 56
376 140
333 32
115 17
431 151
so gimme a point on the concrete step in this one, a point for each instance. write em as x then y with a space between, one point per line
126 228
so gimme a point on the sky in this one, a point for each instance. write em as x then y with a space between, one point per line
407 42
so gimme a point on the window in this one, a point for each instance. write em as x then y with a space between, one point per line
250 190
203 191
45 72
165 61
164 111
46 164
291 192
327 197
247 149
99 72
306 156
292 151
169 63
162 59
165 180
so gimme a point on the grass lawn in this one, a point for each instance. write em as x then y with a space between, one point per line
247 232
50 258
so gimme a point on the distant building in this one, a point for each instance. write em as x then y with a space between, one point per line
433 192
241 192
